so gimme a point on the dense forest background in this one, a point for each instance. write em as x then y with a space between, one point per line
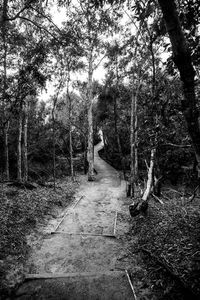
72 69
139 100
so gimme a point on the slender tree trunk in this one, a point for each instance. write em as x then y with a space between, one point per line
5 123
70 124
116 117
141 204
134 140
25 145
182 59
19 148
132 175
133 145
85 156
150 180
116 130
90 154
70 140
150 176
104 142
6 135
136 134
54 147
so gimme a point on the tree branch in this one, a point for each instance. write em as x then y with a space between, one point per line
46 17
175 145
38 26
19 13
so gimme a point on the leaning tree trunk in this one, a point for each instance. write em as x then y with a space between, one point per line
150 176
182 59
25 144
90 153
141 205
19 148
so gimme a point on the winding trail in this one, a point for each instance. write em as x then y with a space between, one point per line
82 257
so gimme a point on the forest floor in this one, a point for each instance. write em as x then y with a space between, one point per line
91 248
24 213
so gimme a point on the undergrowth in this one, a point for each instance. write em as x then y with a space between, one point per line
168 243
21 211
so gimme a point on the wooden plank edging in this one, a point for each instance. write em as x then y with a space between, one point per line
83 233
67 275
131 285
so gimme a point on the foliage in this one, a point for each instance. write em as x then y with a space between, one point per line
170 237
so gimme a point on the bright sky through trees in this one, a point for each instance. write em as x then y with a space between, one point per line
59 15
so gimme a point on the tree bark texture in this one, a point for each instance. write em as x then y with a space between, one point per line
116 116
90 152
70 138
150 176
116 130
25 144
132 177
19 148
182 59
54 146
134 139
5 124
136 133
6 150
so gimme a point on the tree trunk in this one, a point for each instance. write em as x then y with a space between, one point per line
116 116
150 176
6 151
54 147
85 156
70 120
19 148
117 132
182 59
134 140
25 145
140 205
70 139
90 153
5 124
136 134
104 142
132 175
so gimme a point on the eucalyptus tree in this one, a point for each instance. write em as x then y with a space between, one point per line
27 28
30 79
93 24
13 43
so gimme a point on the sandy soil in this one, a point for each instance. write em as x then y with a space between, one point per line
84 256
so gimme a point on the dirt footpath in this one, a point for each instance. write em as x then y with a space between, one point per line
81 257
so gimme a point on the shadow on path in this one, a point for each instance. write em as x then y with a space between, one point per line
80 260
